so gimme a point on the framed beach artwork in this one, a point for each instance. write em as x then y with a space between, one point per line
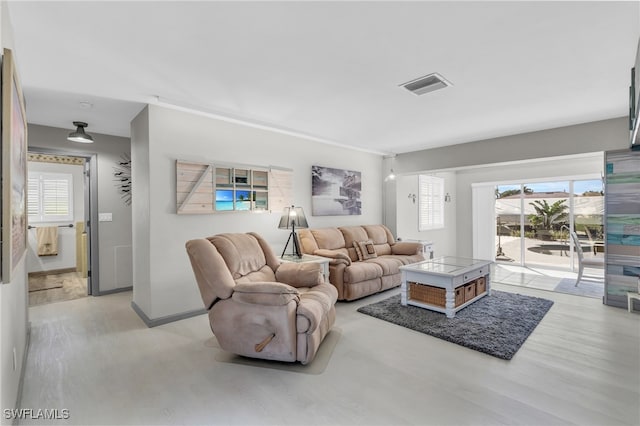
14 168
335 192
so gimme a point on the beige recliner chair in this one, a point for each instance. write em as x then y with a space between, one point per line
259 307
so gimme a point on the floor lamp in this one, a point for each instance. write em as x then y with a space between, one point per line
292 218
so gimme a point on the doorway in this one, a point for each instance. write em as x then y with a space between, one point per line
533 223
59 207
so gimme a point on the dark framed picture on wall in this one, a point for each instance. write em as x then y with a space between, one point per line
14 168
335 192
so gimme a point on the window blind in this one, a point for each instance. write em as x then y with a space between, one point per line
49 197
431 202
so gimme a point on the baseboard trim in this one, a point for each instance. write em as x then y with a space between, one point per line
114 290
616 301
164 320
52 272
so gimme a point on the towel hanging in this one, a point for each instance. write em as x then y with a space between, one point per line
47 238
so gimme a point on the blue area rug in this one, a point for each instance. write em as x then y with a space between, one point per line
584 288
496 325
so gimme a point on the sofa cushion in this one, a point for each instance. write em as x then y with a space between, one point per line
265 293
383 249
381 237
300 274
405 259
241 252
389 264
352 234
358 251
362 271
213 277
336 256
314 305
379 234
365 250
308 242
264 274
408 248
328 238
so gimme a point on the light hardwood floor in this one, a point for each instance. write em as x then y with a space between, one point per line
95 357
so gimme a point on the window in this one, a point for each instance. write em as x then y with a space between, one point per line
431 205
50 197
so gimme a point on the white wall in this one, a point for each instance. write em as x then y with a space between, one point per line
13 294
114 237
66 257
444 240
176 135
584 138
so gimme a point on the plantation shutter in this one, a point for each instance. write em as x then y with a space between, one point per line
431 203
55 197
50 197
33 197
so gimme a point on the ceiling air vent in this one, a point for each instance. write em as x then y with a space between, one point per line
426 84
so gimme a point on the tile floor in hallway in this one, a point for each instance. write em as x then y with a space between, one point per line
591 285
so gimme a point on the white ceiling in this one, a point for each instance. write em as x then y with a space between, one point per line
331 70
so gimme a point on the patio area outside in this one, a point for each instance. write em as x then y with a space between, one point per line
551 253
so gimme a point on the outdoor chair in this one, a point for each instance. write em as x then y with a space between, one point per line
598 261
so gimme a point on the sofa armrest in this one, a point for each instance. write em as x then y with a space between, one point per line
306 274
335 256
407 248
265 293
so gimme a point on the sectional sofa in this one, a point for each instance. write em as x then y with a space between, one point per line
364 259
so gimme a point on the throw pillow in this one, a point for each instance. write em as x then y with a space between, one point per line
365 250
356 247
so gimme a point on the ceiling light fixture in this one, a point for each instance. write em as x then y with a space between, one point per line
390 176
79 135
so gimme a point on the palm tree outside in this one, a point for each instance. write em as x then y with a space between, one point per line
548 215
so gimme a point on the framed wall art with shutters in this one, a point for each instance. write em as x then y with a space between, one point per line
203 188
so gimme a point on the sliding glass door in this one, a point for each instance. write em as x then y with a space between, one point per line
533 221
588 219
509 223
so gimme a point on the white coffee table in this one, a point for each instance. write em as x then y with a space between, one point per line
448 273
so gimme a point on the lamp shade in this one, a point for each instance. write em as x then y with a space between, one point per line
293 217
79 135
390 176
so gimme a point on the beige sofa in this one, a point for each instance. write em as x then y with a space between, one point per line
364 259
257 306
